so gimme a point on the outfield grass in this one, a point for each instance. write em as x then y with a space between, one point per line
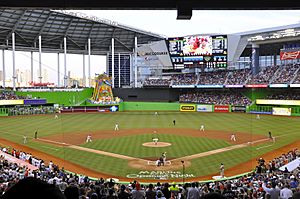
13 128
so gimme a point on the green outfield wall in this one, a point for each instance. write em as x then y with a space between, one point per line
72 98
149 106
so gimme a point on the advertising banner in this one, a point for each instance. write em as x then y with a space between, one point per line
187 107
210 86
256 86
278 85
282 111
35 101
238 109
278 102
11 102
204 108
221 108
290 55
234 86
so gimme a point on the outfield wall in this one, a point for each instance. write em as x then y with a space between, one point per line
149 106
65 98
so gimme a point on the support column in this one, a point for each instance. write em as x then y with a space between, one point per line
135 62
65 62
58 71
83 72
3 68
14 64
89 61
119 70
40 58
255 59
31 66
275 59
113 62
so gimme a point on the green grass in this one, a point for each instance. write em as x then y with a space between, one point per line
135 148
13 128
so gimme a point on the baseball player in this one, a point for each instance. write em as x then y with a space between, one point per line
56 116
232 137
202 127
88 139
222 170
24 139
155 140
116 126
257 117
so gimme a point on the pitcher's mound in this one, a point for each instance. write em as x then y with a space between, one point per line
158 144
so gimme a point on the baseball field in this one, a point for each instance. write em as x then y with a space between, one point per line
123 155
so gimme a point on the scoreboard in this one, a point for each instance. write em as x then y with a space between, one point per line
198 51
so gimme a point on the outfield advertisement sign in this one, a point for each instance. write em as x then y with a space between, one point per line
35 101
234 86
282 111
183 86
238 109
278 85
204 108
11 102
187 107
209 86
295 85
256 86
278 102
221 108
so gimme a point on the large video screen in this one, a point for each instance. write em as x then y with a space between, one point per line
198 51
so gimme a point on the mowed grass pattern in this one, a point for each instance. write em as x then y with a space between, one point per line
13 128
178 148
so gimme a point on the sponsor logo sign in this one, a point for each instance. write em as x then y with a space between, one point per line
256 86
187 107
221 108
35 101
238 109
11 102
289 55
204 108
278 102
282 111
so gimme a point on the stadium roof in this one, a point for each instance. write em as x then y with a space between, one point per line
53 26
269 35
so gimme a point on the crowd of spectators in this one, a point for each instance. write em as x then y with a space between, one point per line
157 82
212 97
238 77
286 95
184 79
9 95
267 181
31 110
264 76
215 77
287 74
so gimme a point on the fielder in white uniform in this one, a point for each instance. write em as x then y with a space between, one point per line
56 116
89 138
24 139
116 126
257 117
222 170
232 137
202 127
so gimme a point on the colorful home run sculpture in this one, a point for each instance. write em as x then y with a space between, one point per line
103 92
